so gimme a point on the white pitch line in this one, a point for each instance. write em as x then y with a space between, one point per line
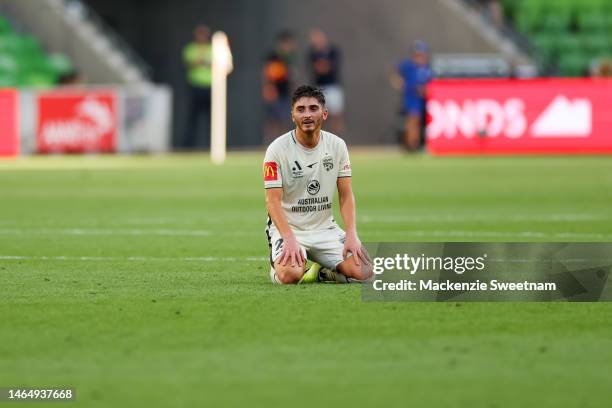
367 219
449 218
105 231
134 258
213 259
128 232
494 234
252 233
544 260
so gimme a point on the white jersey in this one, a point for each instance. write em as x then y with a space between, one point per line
308 178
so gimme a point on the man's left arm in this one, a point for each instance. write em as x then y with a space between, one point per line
352 243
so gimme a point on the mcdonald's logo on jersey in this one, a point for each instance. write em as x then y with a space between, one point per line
270 171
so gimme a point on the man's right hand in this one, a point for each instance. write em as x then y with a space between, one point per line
292 252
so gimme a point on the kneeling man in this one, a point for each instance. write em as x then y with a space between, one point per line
302 170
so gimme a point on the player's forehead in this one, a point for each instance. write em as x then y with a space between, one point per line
306 101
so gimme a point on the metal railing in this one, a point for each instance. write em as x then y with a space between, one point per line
78 9
506 29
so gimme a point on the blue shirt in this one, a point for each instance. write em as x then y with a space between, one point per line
414 77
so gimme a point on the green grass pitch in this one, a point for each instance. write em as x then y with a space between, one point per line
143 282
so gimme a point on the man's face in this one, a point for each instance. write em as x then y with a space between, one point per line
308 115
420 58
201 34
287 46
318 39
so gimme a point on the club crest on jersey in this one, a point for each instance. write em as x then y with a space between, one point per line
328 163
270 171
296 170
313 187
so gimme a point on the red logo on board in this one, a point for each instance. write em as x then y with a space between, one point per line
78 121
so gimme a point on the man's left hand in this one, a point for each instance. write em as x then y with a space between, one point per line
353 245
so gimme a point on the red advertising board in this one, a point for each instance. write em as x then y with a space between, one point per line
76 122
9 122
549 116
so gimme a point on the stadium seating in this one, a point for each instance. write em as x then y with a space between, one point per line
566 35
23 63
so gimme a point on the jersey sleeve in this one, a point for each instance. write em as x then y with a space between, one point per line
271 169
344 169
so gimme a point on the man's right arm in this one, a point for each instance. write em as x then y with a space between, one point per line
292 252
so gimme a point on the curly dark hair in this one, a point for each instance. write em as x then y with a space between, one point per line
307 91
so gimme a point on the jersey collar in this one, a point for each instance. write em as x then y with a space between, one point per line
301 146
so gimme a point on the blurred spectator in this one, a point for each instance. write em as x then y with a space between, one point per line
324 66
197 56
495 11
412 77
603 69
71 78
278 76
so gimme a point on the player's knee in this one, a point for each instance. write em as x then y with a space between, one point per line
362 272
366 272
288 274
351 270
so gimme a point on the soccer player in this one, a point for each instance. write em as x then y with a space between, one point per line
302 170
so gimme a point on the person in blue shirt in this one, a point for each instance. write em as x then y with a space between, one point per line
412 77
